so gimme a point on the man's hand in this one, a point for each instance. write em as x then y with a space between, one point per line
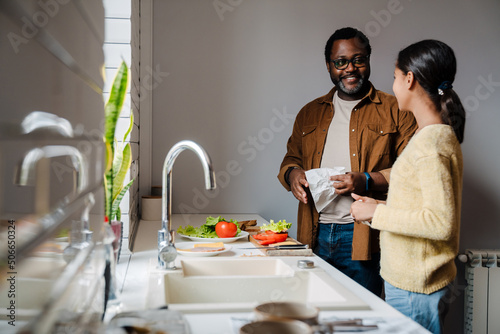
298 182
351 182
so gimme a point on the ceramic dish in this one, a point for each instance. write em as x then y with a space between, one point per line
188 245
287 310
243 234
276 326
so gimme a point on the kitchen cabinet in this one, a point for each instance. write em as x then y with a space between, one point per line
51 161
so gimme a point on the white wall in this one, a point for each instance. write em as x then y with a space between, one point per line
227 69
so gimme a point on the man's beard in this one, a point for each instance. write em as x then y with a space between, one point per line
353 90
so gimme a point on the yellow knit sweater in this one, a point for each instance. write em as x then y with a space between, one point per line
420 223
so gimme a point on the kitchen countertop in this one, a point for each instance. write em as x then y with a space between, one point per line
133 268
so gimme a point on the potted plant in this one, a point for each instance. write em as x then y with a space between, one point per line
118 155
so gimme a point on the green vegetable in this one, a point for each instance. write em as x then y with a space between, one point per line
206 230
63 233
280 226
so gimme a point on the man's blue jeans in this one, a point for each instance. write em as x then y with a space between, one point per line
428 310
335 247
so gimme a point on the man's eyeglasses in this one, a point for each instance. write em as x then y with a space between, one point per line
342 63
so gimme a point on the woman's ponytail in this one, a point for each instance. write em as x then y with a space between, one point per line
453 112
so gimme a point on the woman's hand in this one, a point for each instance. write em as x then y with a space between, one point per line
363 208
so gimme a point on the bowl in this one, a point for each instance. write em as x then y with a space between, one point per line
283 326
287 310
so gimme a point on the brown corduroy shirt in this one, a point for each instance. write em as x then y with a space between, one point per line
379 133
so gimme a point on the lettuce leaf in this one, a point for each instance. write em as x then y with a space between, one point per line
280 226
206 230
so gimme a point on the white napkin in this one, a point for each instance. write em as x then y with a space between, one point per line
321 187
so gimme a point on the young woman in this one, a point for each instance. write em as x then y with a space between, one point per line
420 221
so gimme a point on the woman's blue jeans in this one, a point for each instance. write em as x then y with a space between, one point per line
335 247
428 310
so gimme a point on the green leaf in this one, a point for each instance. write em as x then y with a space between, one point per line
130 126
212 221
118 157
122 163
118 214
206 230
115 102
115 209
278 227
108 192
109 156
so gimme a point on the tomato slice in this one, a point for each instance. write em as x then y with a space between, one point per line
263 236
267 242
271 237
280 237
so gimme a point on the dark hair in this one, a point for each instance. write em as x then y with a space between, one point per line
434 65
347 33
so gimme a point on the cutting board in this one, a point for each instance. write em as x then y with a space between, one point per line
282 252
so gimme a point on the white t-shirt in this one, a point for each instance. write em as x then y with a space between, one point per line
336 154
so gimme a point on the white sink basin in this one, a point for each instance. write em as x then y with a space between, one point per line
238 285
30 295
43 268
33 280
232 267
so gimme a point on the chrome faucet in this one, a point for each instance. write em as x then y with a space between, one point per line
85 217
80 229
26 173
166 243
80 235
37 120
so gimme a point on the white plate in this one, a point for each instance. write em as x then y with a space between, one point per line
243 234
189 245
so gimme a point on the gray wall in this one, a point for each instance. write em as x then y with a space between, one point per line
234 74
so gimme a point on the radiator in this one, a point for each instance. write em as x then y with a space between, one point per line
482 294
